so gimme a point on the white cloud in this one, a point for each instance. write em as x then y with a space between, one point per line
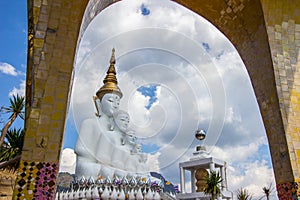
68 161
238 153
232 116
139 115
153 162
253 176
18 91
8 69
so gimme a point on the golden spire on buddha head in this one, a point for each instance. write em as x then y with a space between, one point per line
110 81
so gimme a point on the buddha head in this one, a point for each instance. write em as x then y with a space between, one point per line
109 94
110 104
121 119
131 138
138 148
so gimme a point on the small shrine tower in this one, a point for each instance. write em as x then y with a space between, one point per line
199 166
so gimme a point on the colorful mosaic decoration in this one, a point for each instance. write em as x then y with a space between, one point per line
287 191
36 180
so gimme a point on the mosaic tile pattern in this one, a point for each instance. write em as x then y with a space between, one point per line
36 180
287 191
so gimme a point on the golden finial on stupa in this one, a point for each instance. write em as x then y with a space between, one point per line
110 81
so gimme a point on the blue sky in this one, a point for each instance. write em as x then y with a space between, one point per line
149 91
166 89
13 51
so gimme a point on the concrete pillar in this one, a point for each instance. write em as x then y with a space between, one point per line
182 180
212 166
193 184
223 184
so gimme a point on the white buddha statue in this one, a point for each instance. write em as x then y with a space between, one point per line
127 154
92 130
105 146
121 150
120 127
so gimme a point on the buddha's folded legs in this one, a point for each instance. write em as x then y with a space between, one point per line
87 168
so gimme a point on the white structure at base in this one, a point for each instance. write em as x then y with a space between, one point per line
202 160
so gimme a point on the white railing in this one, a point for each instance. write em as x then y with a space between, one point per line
135 189
109 194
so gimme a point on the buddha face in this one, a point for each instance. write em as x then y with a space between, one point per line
131 139
138 148
110 103
122 121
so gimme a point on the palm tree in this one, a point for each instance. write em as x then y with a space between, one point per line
213 182
243 194
16 109
12 149
267 191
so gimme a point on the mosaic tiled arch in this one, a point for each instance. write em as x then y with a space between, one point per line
266 34
37 179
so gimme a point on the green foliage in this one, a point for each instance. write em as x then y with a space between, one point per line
243 194
11 140
17 104
213 181
14 144
16 109
12 148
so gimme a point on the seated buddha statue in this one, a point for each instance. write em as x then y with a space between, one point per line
105 145
92 130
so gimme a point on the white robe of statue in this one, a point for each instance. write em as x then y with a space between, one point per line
126 155
93 133
105 146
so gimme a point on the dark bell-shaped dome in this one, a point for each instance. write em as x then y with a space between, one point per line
200 134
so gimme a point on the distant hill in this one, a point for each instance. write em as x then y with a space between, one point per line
63 180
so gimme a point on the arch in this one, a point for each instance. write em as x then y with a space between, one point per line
266 34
